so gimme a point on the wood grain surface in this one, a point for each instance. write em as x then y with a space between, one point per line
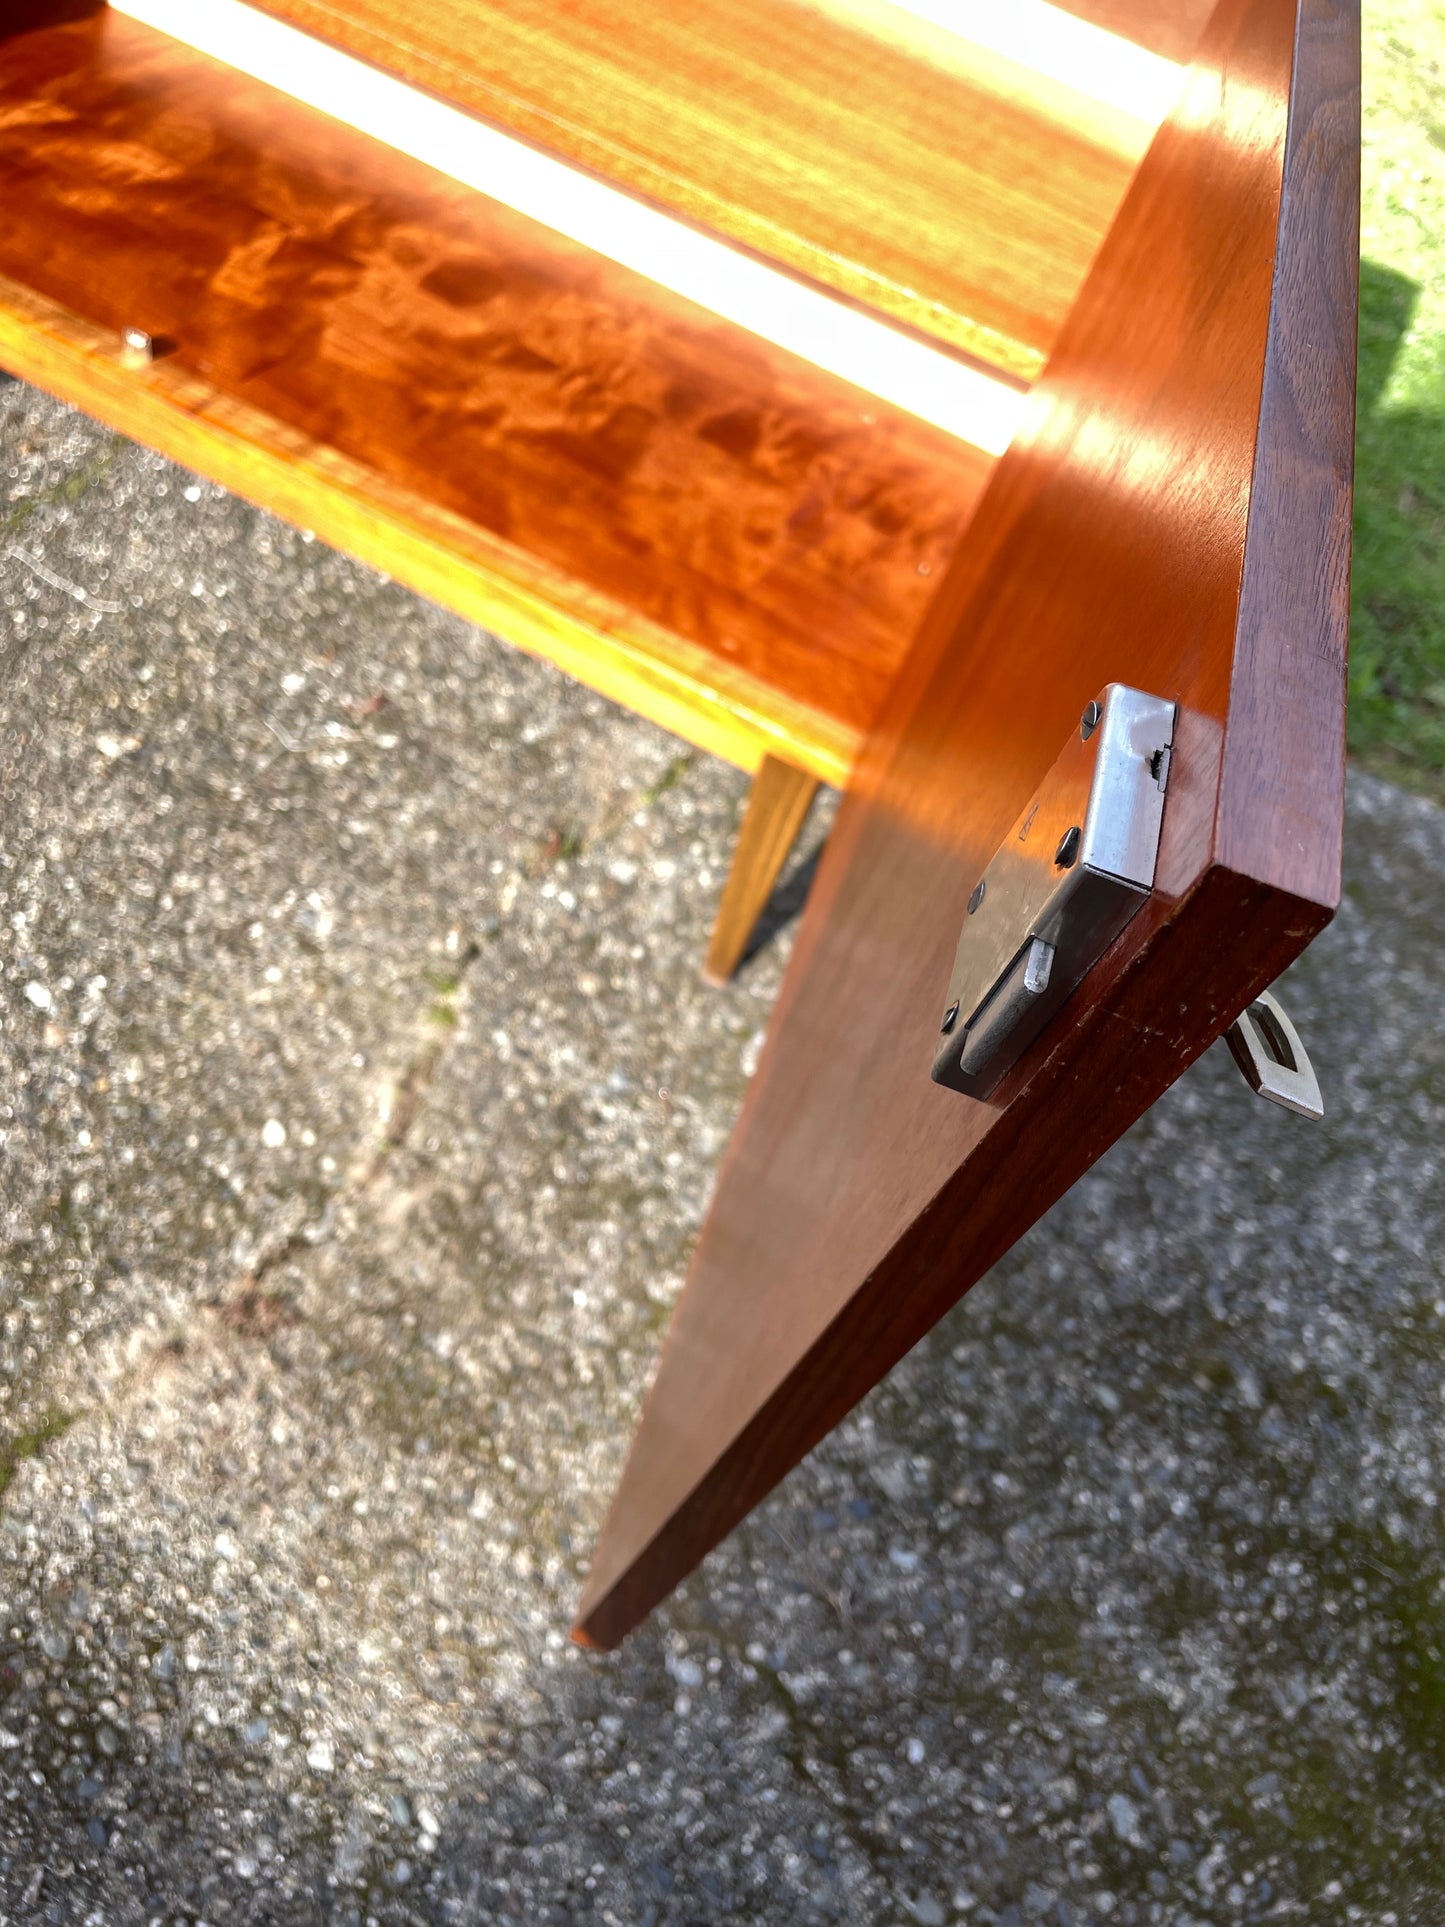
705 527
966 204
23 16
1174 515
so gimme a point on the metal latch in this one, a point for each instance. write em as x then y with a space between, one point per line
1073 870
1268 1050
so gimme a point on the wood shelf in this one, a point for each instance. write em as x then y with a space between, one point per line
964 198
697 524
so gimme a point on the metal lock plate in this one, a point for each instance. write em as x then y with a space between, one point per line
1075 867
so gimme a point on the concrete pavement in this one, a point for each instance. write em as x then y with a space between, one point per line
359 1102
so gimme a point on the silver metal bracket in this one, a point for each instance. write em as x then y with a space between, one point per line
1073 870
1267 1048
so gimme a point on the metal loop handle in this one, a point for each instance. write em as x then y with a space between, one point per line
1267 1048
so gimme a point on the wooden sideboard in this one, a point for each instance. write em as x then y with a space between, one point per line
864 401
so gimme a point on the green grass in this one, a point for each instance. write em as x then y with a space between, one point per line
67 492
1397 628
29 1445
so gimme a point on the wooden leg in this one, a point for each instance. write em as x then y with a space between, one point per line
777 804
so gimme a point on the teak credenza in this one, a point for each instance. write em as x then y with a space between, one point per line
882 395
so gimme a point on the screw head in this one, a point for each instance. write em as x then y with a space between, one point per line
1089 721
950 1018
979 890
1067 853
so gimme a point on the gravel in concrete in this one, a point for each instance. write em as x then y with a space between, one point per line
359 1103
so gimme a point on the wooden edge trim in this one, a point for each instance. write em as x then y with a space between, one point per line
431 550
1282 793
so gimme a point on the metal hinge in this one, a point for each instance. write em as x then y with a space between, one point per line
1073 870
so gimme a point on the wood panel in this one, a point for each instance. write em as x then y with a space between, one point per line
1176 515
23 16
966 204
1169 28
705 527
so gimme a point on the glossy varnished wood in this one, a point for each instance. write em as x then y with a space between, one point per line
23 16
966 201
1175 515
698 524
1170 28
